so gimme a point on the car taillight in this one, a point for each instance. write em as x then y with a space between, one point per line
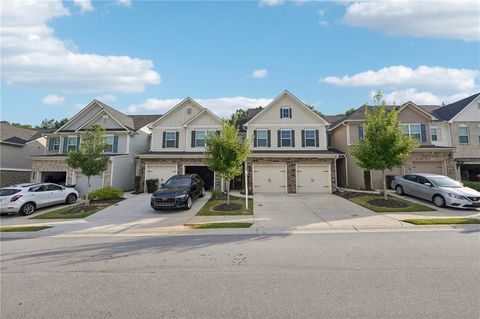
14 198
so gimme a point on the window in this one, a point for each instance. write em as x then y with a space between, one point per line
189 110
422 180
200 138
51 187
412 178
310 138
105 119
463 134
54 143
262 138
414 130
361 133
72 143
170 139
285 112
109 140
37 189
286 138
433 133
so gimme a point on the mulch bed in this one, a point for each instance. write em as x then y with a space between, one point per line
348 195
389 203
225 207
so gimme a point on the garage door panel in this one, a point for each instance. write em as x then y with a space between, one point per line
269 178
160 172
428 167
312 179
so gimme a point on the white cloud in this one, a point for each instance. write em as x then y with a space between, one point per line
106 98
85 5
420 97
32 56
261 73
399 76
433 19
53 99
126 3
271 3
222 107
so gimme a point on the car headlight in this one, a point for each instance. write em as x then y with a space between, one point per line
181 196
455 196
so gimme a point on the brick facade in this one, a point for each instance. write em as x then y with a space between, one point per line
180 162
291 169
8 177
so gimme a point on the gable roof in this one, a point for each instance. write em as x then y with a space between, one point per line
334 119
18 135
176 107
199 114
286 92
448 112
140 121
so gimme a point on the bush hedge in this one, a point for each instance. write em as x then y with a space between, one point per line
106 193
472 184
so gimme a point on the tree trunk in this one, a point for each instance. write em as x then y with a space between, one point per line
384 186
87 201
228 193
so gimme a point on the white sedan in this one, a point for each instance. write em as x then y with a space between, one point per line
26 198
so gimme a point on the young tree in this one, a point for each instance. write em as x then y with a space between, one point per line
89 158
239 114
350 111
225 153
385 145
311 107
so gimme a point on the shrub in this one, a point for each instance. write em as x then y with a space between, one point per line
106 193
472 184
215 193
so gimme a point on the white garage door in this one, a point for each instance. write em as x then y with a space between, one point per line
313 179
160 172
428 167
269 178
81 183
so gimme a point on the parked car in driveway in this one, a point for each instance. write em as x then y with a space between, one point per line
26 198
441 190
178 191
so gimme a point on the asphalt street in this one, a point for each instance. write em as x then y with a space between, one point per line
433 274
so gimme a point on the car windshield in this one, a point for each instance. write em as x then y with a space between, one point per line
445 182
183 181
8 191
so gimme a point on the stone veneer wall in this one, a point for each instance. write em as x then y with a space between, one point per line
8 177
178 161
291 172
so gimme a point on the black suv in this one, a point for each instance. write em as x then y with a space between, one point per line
178 191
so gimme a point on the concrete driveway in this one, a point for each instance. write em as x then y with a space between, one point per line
315 211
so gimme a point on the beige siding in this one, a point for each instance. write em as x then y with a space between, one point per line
470 113
409 115
157 139
110 124
298 137
188 137
179 116
85 117
443 134
355 174
339 138
205 119
354 132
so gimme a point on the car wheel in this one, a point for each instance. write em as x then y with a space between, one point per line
439 201
189 202
202 193
399 190
27 209
71 199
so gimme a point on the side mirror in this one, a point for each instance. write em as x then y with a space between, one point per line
162 184
461 184
428 184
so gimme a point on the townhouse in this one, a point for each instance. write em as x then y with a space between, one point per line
126 136
178 143
435 154
17 145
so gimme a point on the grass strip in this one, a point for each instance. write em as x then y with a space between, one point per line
442 221
221 225
22 228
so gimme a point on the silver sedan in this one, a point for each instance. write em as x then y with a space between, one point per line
441 190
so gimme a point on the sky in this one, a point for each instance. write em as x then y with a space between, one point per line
143 57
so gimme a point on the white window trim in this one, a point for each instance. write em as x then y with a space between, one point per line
409 130
57 138
467 135
281 138
174 139
205 132
436 133
68 141
113 141
266 137
288 111
305 137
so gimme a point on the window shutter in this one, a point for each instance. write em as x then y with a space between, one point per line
290 112
50 144
269 137
281 114
293 138
115 144
279 140
317 140
78 142
164 139
176 139
65 141
193 138
424 134
303 138
254 138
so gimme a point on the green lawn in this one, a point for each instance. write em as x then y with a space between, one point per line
209 208
442 221
222 225
22 228
66 213
409 206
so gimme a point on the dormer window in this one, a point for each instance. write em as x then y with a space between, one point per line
285 112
